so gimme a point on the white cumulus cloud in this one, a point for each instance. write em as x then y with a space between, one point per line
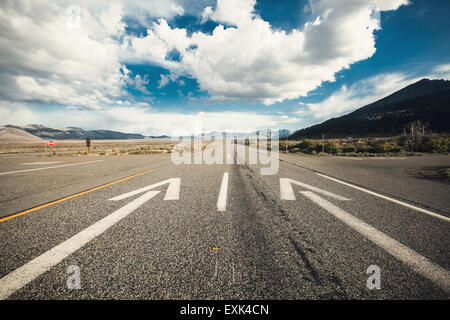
165 79
248 59
75 54
144 120
66 53
357 95
366 91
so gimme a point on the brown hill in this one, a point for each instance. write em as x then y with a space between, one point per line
425 100
16 135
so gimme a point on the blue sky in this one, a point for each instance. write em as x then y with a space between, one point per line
178 67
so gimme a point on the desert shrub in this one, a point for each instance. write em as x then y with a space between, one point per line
387 146
349 147
444 173
362 147
402 141
434 144
332 147
371 149
426 145
374 147
440 144
308 146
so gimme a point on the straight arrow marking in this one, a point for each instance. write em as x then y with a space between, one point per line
287 193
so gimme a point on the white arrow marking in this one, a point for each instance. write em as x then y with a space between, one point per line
418 263
287 193
31 270
222 200
172 193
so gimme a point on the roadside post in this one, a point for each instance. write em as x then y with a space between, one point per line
286 144
323 142
88 144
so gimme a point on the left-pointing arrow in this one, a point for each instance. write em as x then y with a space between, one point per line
34 268
172 193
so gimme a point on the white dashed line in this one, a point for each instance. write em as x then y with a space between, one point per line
222 200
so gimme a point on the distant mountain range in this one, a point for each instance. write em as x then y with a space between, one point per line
36 132
426 100
73 133
282 133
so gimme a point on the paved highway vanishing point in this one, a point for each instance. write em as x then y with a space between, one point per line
141 227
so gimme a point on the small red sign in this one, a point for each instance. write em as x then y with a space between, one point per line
51 143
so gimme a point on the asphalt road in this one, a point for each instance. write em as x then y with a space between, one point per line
229 232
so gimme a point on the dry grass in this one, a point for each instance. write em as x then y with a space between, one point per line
400 145
98 148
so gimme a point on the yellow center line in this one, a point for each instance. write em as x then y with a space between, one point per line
71 197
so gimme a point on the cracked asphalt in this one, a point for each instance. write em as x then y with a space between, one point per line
260 247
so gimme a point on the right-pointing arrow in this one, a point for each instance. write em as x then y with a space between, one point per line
287 193
172 193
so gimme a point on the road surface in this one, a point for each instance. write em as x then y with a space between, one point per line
311 231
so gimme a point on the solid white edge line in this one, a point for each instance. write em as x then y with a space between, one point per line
430 213
51 167
21 276
437 274
222 199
